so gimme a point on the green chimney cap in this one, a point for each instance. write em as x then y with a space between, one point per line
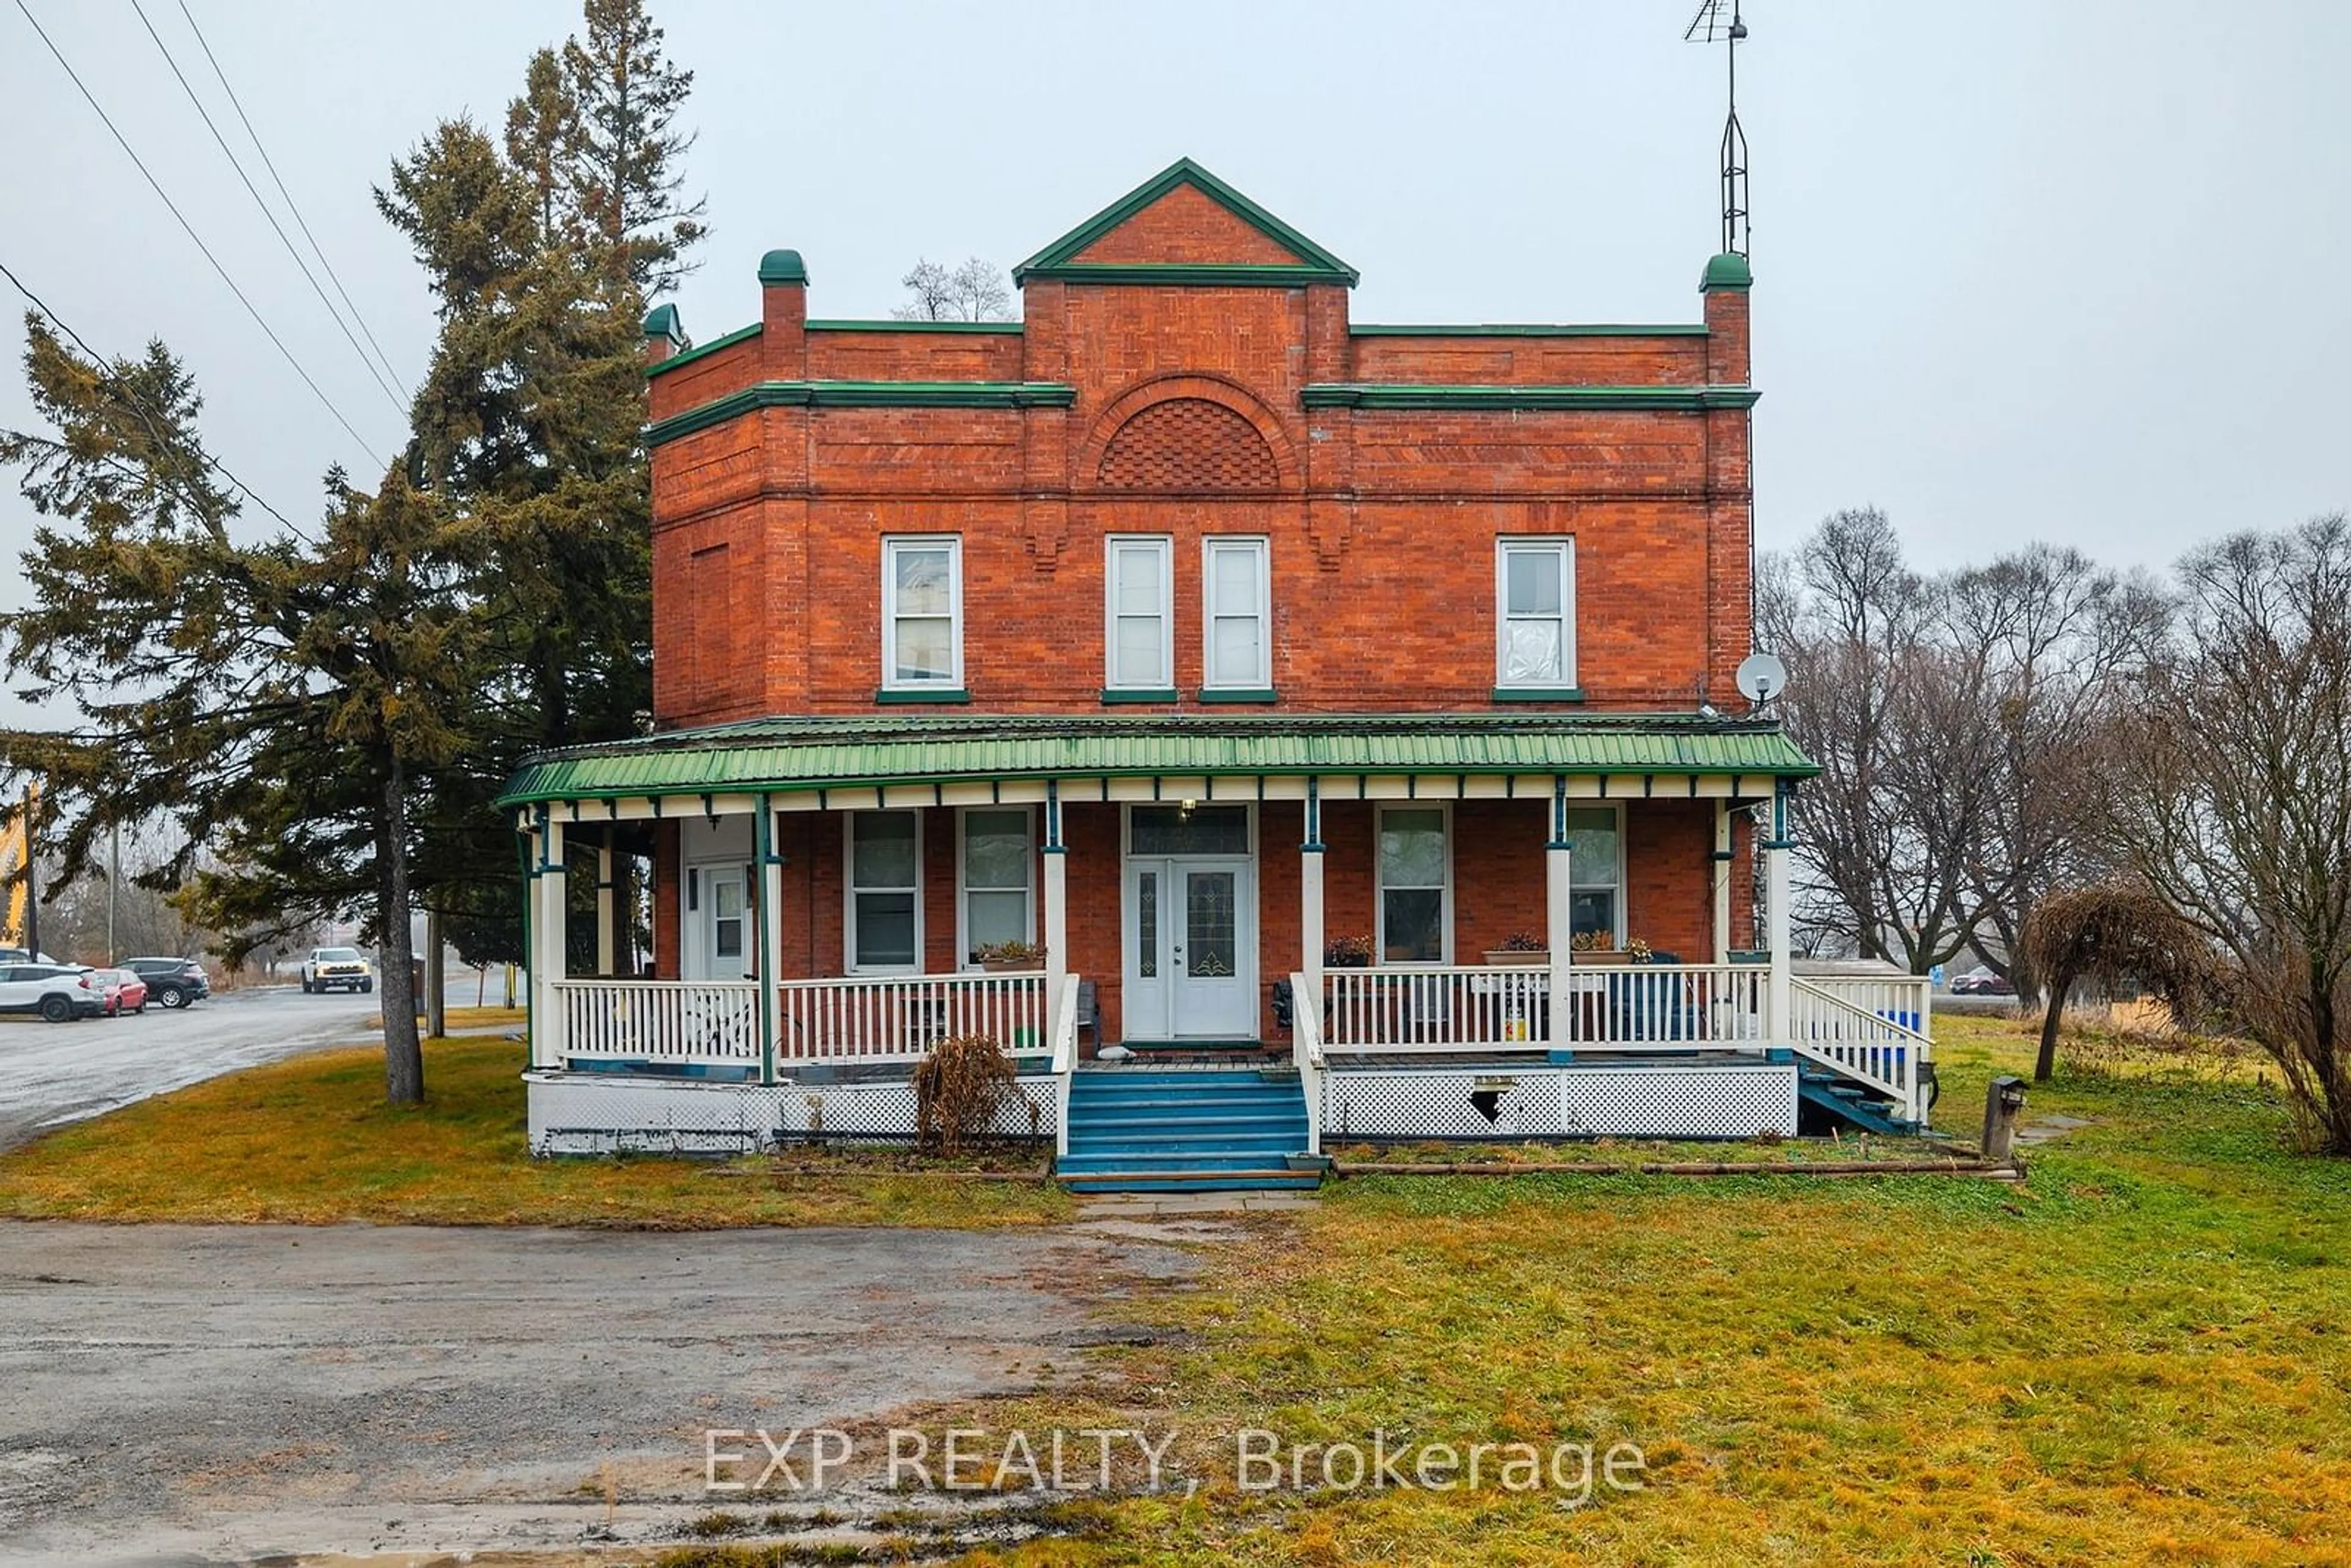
782 267
1729 271
661 321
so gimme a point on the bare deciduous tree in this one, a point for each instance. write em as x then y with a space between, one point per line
2234 795
976 292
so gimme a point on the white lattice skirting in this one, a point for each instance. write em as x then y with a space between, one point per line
1725 1100
601 1113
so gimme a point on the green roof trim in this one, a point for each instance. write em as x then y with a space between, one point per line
687 355
1058 258
863 394
1729 271
933 748
1534 330
782 267
664 321
1397 394
895 326
1193 274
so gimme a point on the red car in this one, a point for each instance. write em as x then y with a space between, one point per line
125 993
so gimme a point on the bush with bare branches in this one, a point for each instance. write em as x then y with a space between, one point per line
959 1090
2113 934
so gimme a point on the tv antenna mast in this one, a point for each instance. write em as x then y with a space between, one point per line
1717 21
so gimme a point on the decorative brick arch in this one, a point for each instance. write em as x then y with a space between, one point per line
1188 433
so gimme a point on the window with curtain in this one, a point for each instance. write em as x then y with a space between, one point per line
885 888
922 612
1534 593
1236 604
1596 872
1140 654
997 857
1412 878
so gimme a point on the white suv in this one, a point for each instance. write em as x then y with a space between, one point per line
57 994
337 969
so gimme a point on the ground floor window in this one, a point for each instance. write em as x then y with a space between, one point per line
885 892
999 894
1596 873
1415 870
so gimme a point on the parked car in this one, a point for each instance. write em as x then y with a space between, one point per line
174 982
125 991
1980 981
20 956
337 969
56 992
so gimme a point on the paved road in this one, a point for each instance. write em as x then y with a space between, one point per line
54 1074
195 1393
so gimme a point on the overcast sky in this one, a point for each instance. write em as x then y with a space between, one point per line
2025 270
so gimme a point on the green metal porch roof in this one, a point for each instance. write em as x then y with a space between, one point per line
787 754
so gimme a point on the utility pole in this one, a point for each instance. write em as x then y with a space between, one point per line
113 882
32 882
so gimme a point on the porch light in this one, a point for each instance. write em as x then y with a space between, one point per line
1184 808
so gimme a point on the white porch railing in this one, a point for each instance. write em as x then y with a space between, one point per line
671 1021
1623 1008
1866 1043
899 1018
1065 1061
1306 1051
893 1018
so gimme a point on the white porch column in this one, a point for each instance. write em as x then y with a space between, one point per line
1775 904
1309 905
1722 867
606 928
546 955
768 927
1057 909
1559 919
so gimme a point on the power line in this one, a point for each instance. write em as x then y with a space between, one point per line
129 396
269 164
382 385
156 186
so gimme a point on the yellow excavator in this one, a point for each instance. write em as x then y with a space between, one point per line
13 849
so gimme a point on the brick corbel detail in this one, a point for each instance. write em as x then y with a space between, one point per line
1331 523
1045 525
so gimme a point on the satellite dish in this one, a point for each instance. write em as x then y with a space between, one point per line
1761 677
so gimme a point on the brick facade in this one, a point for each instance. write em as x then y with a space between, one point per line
1179 404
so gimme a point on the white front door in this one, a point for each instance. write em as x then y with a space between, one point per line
718 924
1190 922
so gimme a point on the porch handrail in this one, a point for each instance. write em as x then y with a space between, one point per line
1306 1051
679 1022
1863 1043
1627 1008
1065 1059
898 1018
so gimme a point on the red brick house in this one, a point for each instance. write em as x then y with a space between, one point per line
1189 628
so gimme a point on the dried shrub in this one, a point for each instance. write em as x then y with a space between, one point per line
2114 935
959 1090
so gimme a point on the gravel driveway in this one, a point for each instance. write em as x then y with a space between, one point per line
195 1393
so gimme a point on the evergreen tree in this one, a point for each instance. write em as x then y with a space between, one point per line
543 141
275 701
625 170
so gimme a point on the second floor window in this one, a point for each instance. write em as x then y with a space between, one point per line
1236 605
922 612
1141 654
1534 593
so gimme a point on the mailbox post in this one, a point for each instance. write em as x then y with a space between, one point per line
2002 1103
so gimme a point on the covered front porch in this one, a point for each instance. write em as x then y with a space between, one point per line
1539 926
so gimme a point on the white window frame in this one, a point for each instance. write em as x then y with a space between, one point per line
890 546
1563 547
963 885
1262 548
1623 856
849 890
1380 889
1164 545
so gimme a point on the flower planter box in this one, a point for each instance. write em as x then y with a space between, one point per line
1602 955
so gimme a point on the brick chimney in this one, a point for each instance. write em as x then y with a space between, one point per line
783 315
664 334
1725 285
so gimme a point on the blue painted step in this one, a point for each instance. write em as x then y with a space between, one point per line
1178 1130
1853 1103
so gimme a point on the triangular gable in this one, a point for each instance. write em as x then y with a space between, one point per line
1136 239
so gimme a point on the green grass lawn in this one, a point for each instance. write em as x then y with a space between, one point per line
2141 1355
311 1141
